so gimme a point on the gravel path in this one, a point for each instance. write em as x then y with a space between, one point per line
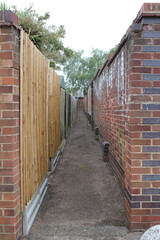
84 200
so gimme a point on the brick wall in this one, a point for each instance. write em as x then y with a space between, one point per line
10 217
110 101
127 112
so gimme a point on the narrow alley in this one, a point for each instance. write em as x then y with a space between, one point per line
84 200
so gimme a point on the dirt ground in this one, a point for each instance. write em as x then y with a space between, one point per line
84 200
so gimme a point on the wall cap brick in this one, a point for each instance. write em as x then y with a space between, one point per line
147 10
8 18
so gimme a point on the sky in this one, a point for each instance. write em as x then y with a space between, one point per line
88 23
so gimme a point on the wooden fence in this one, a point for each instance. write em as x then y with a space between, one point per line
68 107
53 113
41 113
40 117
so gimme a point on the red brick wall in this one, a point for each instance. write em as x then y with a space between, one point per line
127 112
10 217
110 101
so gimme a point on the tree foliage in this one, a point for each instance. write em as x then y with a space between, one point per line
80 70
4 6
47 39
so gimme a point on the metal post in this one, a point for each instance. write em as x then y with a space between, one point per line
96 130
105 151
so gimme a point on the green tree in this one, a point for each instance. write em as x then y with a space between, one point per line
47 39
4 6
80 70
74 70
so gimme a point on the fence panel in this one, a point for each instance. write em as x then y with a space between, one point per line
34 118
68 110
42 131
62 114
73 110
53 113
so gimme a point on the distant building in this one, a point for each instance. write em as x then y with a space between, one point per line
79 93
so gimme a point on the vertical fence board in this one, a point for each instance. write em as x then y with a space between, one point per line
40 135
34 118
62 114
53 113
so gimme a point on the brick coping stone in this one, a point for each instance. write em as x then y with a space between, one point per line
152 233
